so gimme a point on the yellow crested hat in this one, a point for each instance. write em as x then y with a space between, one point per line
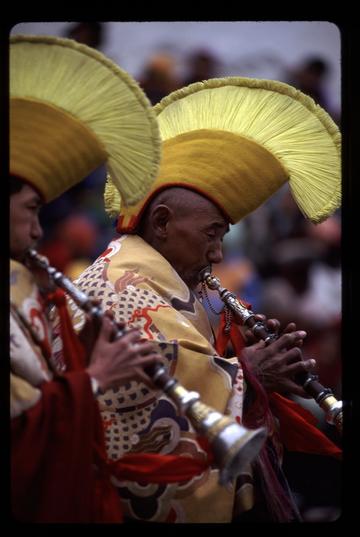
71 110
237 141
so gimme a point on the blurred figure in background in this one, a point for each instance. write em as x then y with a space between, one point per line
201 65
310 77
73 240
159 77
299 266
89 33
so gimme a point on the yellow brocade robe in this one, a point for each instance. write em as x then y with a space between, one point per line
142 289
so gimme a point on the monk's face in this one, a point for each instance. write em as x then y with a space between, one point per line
25 228
193 240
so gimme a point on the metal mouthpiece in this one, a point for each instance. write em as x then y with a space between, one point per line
35 256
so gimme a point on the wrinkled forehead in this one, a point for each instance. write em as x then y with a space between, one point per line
210 216
188 201
206 211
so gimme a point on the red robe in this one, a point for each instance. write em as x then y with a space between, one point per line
53 454
58 469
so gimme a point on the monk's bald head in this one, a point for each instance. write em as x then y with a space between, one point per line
181 201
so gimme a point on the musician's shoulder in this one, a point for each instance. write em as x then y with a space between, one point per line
22 282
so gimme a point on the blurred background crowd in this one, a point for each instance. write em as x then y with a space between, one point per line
284 266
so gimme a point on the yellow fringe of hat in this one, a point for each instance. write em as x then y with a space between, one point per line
237 141
71 110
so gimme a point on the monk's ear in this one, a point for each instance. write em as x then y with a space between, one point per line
160 217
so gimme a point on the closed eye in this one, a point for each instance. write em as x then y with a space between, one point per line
33 207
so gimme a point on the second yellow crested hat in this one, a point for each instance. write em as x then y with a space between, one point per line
237 141
71 110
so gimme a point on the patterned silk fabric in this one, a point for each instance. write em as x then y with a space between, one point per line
142 289
30 340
